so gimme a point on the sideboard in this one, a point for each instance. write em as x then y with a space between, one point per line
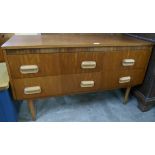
60 64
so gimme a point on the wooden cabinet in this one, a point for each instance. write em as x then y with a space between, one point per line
1 52
3 38
145 92
61 64
1 56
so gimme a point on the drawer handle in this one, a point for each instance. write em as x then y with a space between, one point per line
128 62
32 90
125 79
88 64
87 84
27 69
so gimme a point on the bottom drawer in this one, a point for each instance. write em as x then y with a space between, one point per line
28 88
117 79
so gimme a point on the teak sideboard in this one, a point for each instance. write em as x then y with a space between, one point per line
60 64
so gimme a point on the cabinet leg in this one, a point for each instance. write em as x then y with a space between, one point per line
144 108
126 97
32 109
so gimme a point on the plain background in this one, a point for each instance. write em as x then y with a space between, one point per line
84 16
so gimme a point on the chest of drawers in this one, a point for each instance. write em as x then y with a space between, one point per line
3 38
61 64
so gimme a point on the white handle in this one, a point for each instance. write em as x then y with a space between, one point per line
88 64
87 84
32 90
128 62
125 79
27 69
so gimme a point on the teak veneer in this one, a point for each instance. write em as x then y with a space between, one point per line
61 64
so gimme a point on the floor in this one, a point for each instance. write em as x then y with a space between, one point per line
93 107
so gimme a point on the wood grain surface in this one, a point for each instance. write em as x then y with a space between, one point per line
1 56
71 40
70 84
59 58
3 38
70 63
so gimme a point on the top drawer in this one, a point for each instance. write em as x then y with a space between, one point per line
120 60
45 64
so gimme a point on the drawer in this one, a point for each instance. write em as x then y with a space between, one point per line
47 86
122 79
86 82
122 60
47 64
60 63
76 83
56 85
54 64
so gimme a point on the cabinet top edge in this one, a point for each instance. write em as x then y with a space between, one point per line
72 40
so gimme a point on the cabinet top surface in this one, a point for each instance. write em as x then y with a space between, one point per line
71 40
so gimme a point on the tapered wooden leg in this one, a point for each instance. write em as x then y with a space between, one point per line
32 109
126 97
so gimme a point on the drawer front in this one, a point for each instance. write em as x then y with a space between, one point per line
28 88
137 59
56 85
47 86
122 79
46 64
86 82
81 62
54 64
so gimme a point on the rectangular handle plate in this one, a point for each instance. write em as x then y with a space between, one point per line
125 79
32 90
87 84
27 69
128 62
88 64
